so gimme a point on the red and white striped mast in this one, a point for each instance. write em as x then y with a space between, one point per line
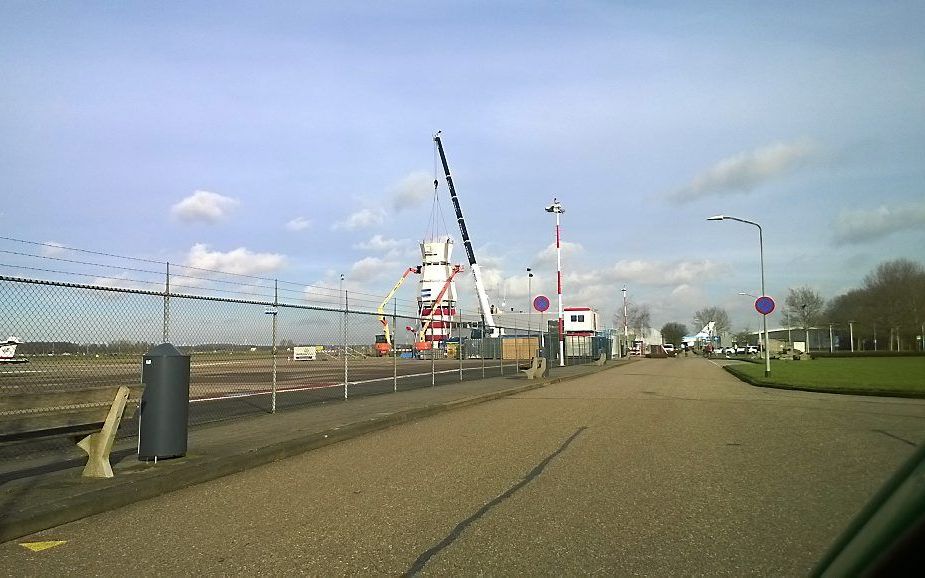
556 208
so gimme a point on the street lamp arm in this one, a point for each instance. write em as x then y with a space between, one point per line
767 358
730 218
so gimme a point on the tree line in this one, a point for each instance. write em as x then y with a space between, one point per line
890 303
886 312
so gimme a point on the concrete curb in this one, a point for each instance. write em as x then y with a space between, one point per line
868 392
113 494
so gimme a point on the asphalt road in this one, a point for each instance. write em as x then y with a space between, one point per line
662 467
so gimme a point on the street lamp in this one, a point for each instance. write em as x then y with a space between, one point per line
530 306
626 333
851 334
556 208
767 357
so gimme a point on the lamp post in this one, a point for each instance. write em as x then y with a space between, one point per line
789 338
556 208
626 334
530 306
851 334
767 358
759 314
831 340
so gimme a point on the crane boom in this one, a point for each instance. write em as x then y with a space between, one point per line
467 243
381 309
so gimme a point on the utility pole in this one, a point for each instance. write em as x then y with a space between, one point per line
530 307
556 208
626 334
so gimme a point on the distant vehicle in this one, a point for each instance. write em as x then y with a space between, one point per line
668 347
729 351
752 349
741 350
8 351
638 347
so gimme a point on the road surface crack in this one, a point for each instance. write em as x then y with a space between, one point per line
424 558
895 437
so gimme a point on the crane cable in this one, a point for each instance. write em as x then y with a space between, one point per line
435 209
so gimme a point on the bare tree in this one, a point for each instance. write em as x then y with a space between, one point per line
717 315
638 319
892 298
895 292
805 306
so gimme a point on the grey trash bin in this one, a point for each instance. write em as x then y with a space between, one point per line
164 413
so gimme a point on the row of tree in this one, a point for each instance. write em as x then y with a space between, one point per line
891 301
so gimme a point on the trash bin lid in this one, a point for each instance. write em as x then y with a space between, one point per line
164 350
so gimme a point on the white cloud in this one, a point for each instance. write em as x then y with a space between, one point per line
370 268
548 255
381 244
239 261
665 273
204 206
52 249
361 219
747 170
122 281
298 224
871 224
323 294
413 190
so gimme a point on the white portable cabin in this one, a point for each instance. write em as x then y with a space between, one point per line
580 321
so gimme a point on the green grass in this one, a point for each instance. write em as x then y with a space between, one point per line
898 376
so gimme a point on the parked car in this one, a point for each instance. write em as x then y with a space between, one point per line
668 347
752 350
741 350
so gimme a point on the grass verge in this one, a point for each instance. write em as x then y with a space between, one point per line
899 377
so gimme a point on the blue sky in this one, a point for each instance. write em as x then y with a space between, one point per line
293 140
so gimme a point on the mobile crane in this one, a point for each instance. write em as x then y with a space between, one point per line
489 320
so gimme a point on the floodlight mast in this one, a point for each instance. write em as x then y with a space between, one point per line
488 318
556 207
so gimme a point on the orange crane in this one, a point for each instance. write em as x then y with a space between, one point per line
384 347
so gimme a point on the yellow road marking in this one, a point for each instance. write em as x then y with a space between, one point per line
39 546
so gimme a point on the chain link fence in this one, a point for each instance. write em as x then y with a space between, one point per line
256 345
246 356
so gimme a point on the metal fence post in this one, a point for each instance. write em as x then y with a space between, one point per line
167 306
275 312
394 349
346 306
500 343
459 348
517 351
482 350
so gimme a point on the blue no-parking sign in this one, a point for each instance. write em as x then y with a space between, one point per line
764 305
541 303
